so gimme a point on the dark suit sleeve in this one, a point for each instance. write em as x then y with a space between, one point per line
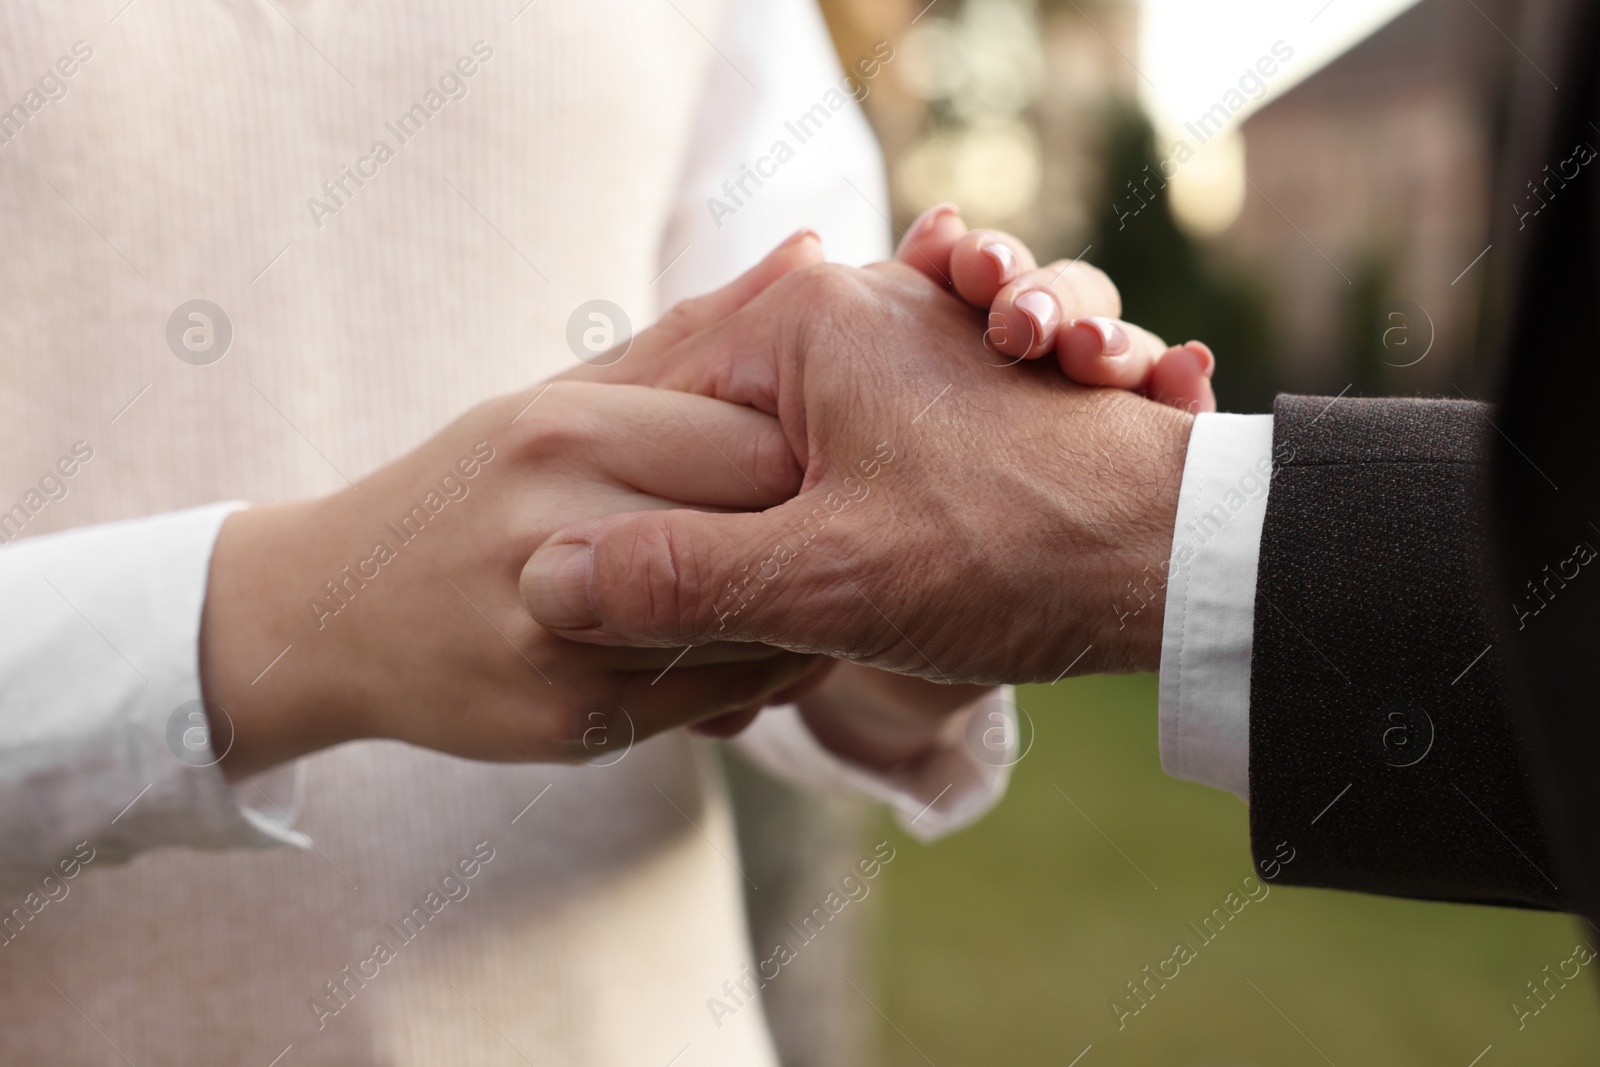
1384 755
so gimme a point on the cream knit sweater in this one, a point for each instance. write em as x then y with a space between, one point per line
535 157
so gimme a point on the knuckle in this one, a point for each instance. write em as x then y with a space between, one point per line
663 575
561 420
828 282
815 300
1098 286
1089 290
683 318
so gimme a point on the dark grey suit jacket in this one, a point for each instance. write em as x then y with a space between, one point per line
1425 689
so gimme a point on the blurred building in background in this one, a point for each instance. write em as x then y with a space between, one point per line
1370 199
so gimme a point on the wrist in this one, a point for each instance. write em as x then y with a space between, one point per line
262 661
1133 609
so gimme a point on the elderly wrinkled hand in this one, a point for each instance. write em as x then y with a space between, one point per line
958 520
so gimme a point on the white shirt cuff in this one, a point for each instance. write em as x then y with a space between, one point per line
1211 592
951 787
103 738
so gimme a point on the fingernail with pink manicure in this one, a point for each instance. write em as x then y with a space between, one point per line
996 334
1113 338
1208 358
1183 354
800 235
927 220
1004 260
1042 311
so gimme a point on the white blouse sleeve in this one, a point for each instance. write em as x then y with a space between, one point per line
955 784
103 740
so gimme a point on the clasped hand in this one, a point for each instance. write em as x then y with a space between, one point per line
812 465
960 519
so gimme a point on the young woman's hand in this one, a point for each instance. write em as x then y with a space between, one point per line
394 603
1067 308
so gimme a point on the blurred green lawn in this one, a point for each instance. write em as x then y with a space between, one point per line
1005 943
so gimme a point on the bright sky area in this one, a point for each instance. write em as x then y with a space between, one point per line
1193 52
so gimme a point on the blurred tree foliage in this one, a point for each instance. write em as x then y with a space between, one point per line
1367 327
1169 285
